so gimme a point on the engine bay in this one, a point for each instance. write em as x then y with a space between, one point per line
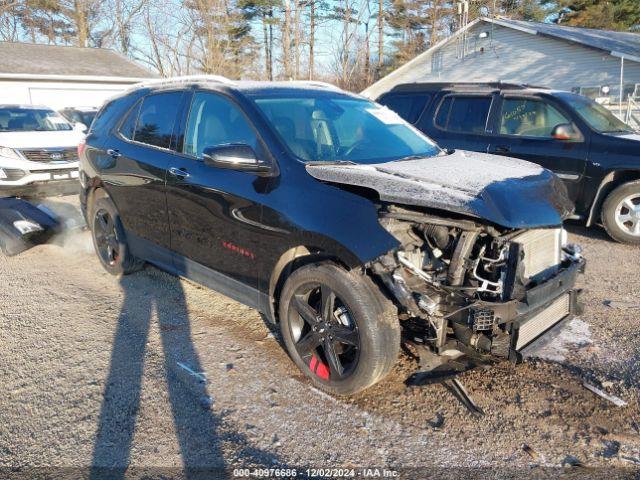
460 285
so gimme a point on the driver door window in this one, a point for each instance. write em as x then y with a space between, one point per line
215 120
529 118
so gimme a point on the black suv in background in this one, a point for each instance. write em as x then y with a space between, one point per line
597 155
333 216
84 115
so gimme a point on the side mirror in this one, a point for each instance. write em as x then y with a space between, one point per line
80 127
234 156
565 131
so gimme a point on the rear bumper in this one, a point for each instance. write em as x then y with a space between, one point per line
42 189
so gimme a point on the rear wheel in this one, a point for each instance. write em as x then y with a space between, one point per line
338 328
109 239
621 213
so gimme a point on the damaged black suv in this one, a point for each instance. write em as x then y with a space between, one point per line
334 217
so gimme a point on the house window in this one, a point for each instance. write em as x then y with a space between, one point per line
436 62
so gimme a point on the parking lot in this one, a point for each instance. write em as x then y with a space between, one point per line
96 369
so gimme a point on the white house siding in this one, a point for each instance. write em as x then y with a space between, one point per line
58 94
514 56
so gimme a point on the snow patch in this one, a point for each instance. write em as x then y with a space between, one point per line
576 334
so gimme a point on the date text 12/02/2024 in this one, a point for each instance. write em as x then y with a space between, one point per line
374 472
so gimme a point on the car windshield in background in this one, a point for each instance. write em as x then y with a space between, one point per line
31 120
332 128
597 116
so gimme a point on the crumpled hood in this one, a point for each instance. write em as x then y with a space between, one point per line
505 191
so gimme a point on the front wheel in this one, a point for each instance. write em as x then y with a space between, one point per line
621 213
338 328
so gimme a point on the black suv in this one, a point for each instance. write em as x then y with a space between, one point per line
596 155
334 217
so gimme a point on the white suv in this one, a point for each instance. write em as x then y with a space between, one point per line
38 151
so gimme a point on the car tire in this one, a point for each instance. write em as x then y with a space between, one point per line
359 327
621 213
109 239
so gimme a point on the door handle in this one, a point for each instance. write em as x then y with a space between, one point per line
178 172
114 153
502 149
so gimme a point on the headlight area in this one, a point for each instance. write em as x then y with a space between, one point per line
465 289
10 153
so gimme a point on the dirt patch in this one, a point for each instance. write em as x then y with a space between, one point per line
106 371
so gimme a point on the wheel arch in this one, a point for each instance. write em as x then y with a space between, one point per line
295 258
610 182
94 192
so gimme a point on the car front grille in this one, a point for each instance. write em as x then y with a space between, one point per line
543 321
542 251
51 155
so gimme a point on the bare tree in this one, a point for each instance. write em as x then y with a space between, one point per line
125 15
286 40
9 20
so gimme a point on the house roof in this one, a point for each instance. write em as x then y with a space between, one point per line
619 44
616 43
67 61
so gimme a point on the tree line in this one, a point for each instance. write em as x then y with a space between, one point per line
348 42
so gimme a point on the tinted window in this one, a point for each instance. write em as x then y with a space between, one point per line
215 120
158 114
442 116
128 127
530 118
408 107
463 114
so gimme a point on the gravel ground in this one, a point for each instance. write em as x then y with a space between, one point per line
101 371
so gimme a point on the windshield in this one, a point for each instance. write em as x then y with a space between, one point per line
16 119
597 116
338 128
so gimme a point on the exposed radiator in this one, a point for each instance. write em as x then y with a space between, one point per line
542 251
543 321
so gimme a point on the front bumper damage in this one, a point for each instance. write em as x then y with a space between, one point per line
532 321
538 325
470 293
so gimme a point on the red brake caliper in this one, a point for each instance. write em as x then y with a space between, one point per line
319 368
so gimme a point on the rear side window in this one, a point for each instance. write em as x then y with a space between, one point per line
128 127
463 114
408 107
156 118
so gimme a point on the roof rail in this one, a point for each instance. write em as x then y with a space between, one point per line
184 79
314 83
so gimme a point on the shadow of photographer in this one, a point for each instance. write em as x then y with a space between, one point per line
195 424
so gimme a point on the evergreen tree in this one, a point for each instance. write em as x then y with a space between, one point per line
622 15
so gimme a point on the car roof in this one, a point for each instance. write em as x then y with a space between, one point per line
244 86
25 107
82 109
467 86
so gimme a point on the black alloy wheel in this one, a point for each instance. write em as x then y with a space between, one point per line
109 237
106 237
324 331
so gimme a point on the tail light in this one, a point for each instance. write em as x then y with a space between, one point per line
81 147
